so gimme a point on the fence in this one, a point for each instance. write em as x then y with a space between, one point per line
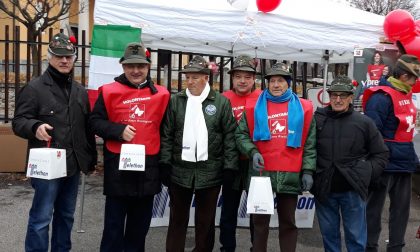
23 60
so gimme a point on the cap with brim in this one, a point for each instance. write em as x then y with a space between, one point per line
243 63
341 84
278 69
197 65
410 63
134 54
61 45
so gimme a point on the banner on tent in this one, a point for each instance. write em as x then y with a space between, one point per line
305 211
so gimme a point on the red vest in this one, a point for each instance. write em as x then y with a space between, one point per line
138 108
277 156
239 102
404 110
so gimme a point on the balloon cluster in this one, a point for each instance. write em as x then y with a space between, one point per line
399 25
262 5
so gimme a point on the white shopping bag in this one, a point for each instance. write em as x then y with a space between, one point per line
260 196
305 211
47 163
132 157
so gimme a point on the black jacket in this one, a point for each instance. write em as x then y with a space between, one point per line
348 143
116 182
42 100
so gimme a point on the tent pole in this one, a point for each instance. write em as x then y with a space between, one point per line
325 60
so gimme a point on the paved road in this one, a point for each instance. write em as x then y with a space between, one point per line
15 200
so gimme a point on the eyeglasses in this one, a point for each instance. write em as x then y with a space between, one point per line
334 96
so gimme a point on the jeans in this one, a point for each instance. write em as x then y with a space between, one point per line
349 207
53 199
127 222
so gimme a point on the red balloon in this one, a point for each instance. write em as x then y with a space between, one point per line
267 5
399 25
413 46
417 26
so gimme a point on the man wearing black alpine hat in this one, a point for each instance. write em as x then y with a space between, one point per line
54 108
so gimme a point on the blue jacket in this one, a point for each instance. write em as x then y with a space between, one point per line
380 108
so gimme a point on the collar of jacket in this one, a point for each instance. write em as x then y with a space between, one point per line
211 96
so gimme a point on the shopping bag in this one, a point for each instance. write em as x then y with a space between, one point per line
47 163
132 157
260 196
305 210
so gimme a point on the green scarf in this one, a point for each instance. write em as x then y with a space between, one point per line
399 85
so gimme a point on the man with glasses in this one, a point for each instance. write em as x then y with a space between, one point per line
350 153
391 108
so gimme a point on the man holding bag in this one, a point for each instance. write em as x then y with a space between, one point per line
54 108
278 135
129 111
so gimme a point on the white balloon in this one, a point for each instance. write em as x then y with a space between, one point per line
239 4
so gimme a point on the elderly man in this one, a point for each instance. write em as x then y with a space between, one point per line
350 154
54 108
391 108
197 148
243 92
129 111
278 134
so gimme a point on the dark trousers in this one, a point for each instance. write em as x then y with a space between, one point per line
127 221
205 213
286 206
229 218
398 187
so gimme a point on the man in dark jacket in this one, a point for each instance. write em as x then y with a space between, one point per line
391 108
198 145
54 108
129 111
351 154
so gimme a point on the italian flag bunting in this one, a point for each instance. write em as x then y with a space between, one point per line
108 44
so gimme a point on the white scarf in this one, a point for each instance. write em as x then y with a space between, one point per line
195 136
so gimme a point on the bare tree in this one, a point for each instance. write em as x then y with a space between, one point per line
37 15
383 7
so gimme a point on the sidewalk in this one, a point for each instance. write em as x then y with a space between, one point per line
16 197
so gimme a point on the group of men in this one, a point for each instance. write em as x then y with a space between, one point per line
199 140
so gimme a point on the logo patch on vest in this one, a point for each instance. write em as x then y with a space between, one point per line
137 111
210 109
278 127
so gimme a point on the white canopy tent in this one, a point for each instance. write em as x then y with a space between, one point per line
298 30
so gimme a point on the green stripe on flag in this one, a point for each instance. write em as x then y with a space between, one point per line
110 40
